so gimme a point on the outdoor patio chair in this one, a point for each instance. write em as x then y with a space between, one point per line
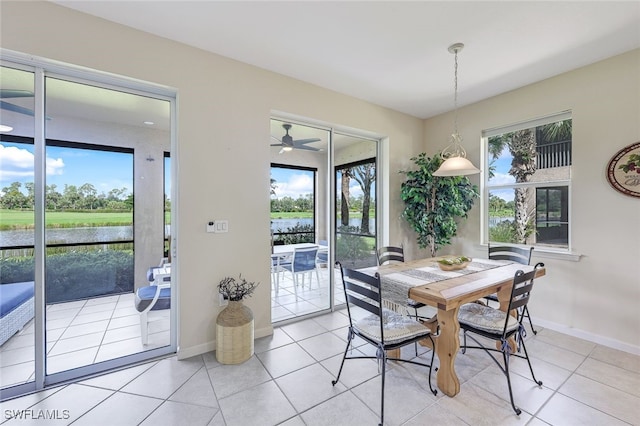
494 324
303 262
382 328
154 297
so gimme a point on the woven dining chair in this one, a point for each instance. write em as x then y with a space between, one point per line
382 328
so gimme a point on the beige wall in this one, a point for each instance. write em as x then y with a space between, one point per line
596 297
222 162
222 156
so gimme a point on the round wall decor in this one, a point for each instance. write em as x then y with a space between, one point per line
623 171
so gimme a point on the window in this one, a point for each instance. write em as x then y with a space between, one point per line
293 194
528 182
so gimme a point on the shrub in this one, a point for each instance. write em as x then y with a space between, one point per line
76 275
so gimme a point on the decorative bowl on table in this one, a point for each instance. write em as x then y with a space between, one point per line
454 263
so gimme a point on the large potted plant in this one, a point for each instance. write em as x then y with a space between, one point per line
433 203
234 325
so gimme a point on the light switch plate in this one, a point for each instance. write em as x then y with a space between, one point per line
222 226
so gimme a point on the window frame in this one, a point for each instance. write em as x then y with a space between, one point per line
486 187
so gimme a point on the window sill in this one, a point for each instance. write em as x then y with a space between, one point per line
549 253
546 253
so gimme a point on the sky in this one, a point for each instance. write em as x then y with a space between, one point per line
294 183
104 170
501 175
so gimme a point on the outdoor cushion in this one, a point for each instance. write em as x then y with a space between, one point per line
145 295
485 318
13 295
397 327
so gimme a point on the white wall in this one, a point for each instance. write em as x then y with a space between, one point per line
223 165
222 156
596 297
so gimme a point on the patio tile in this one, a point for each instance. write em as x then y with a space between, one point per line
75 343
70 360
82 329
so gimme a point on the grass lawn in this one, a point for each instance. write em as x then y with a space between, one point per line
12 219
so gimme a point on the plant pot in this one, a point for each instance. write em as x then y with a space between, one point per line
234 334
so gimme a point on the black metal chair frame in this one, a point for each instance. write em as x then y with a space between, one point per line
387 254
364 291
520 255
520 293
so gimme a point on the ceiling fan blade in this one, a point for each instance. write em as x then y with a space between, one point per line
276 144
306 148
15 93
304 141
15 108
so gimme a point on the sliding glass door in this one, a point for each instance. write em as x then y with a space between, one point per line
94 245
323 194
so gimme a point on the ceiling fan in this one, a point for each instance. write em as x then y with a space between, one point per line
288 143
14 93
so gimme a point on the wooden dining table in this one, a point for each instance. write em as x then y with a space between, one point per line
424 282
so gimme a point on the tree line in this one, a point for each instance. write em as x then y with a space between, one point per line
72 197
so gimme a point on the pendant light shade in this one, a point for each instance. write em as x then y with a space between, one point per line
456 166
454 156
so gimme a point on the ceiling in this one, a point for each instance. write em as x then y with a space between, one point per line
392 53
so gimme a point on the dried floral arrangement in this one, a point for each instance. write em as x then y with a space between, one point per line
236 289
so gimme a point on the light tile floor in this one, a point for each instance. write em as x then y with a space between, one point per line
288 382
313 296
81 333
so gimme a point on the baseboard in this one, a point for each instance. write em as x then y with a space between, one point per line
184 353
591 337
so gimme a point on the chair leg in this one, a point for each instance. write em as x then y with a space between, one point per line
525 312
144 328
349 337
433 354
416 343
506 372
533 376
384 369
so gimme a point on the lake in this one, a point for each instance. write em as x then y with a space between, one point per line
24 237
283 224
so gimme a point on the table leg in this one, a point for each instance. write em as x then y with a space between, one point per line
447 348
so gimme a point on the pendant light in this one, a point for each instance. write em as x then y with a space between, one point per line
455 157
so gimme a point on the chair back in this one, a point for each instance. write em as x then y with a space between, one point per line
362 290
520 293
388 254
520 255
304 259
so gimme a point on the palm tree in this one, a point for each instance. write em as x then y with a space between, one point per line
522 147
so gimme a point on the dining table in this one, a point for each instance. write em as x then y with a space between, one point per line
423 281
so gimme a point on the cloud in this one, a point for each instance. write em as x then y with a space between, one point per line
295 186
502 179
17 164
